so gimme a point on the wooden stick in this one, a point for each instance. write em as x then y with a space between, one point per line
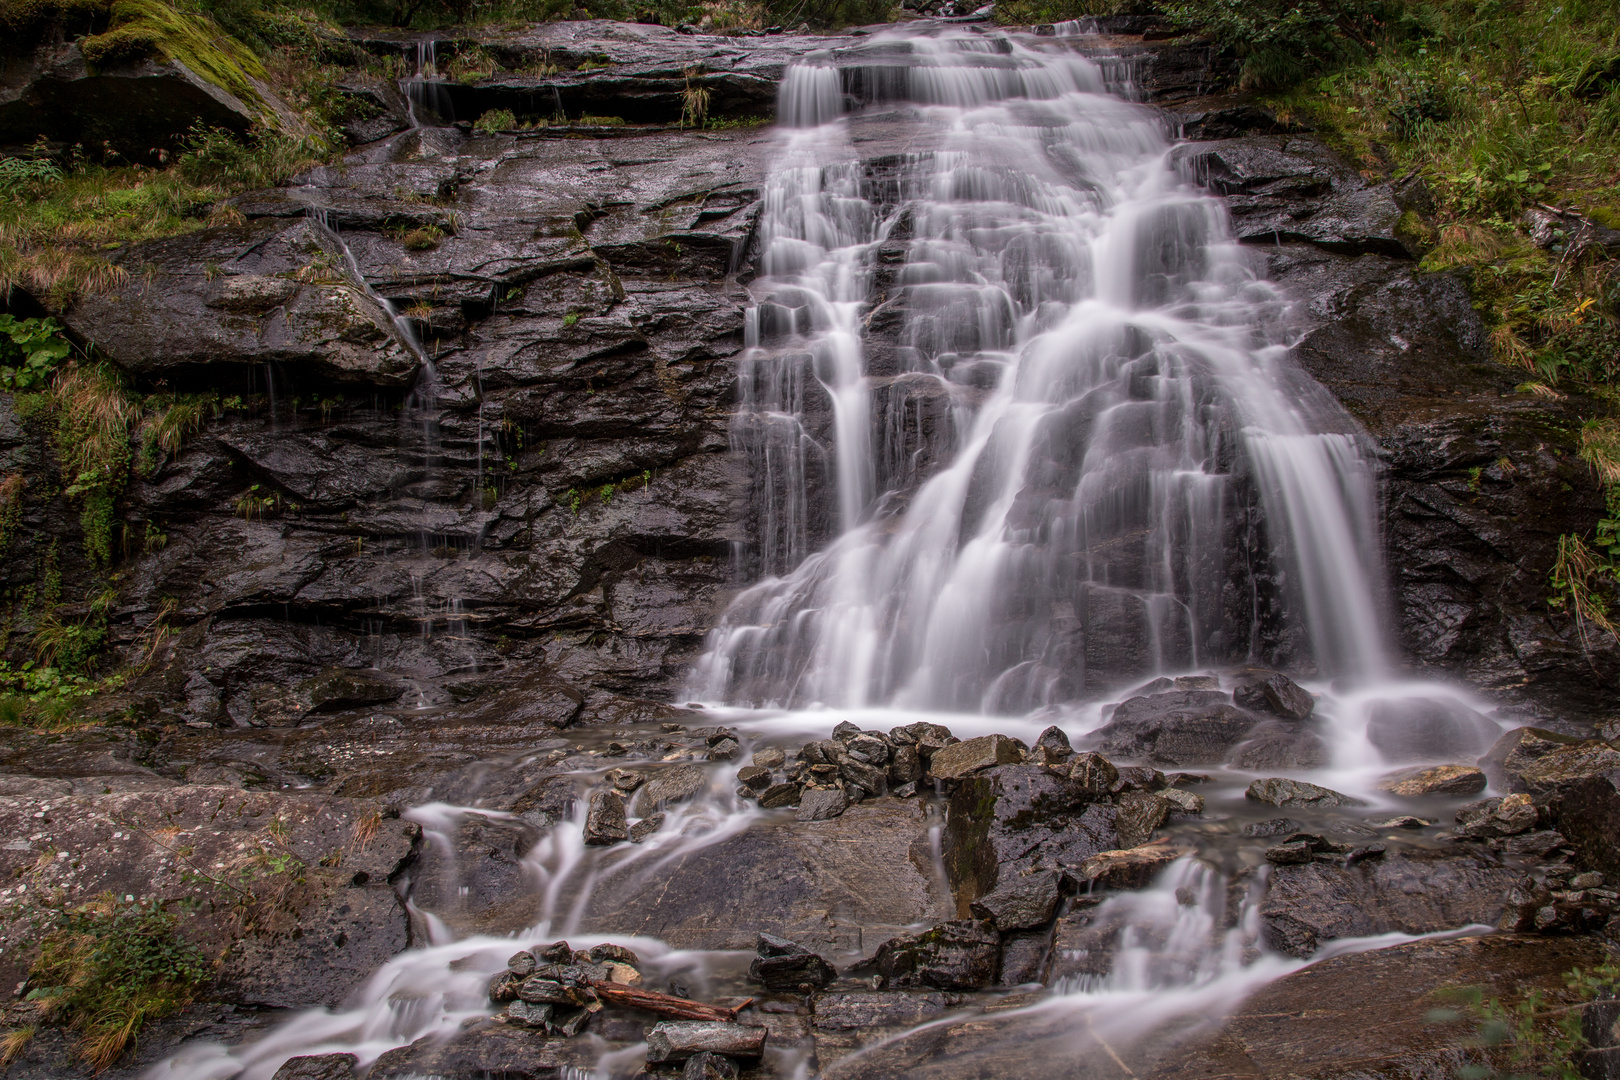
663 1004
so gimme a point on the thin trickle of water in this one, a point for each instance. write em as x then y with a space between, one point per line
1077 455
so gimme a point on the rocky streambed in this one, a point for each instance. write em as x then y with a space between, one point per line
419 715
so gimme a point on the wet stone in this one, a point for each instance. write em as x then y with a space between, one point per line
1438 780
669 786
1020 900
1183 802
677 1040
906 766
605 821
863 776
625 779
780 795
821 804
958 955
1293 853
1404 821
318 1067
709 1066
1093 775
504 986
755 777
1178 727
877 1008
645 828
963 758
791 972
1280 826
1507 816
770 757
1133 868
724 750
1278 695
1055 742
1279 791
521 963
1140 812
616 953
529 1015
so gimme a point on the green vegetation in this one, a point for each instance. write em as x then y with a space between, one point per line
1534 1038
30 349
108 968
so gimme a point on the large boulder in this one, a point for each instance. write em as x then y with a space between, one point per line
1589 816
1415 891
1177 728
1428 729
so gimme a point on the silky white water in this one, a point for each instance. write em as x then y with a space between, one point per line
1124 474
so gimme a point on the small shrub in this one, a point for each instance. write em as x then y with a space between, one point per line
425 238
92 445
107 968
694 99
220 158
601 121
30 350
496 120
19 174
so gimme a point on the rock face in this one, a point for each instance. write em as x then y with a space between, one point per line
1413 891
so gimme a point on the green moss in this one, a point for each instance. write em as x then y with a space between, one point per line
120 46
195 41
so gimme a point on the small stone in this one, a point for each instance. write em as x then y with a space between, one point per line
616 749
756 777
677 1040
606 951
1405 821
769 757
716 735
1138 778
670 729
1055 742
1020 901
623 974
845 731
1278 695
605 821
1363 853
522 1012
906 765
964 758
504 986
1093 774
1132 868
724 750
1438 780
1589 880
541 990
1508 816
791 972
866 777
625 779
645 828
569 1022
669 786
873 748
1139 813
1197 682
1277 826
821 804
558 952
1537 844
905 791
709 1066
1279 791
1183 802
1293 853
521 963
959 955
780 795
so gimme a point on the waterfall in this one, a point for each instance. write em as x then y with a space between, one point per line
1020 413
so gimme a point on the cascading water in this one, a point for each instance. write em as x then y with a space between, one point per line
1023 429
1073 451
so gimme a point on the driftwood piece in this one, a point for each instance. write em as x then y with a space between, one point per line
663 1004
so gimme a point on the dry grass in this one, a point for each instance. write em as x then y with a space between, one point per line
13 1043
93 406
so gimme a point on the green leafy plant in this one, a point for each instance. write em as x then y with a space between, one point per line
108 968
30 350
18 174
92 445
496 120
1534 1038
259 502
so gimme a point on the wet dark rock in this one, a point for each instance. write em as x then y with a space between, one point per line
1365 851
318 1067
709 1066
626 780
822 804
1132 868
723 750
1290 853
877 1008
1439 780
958 955
1017 816
1279 791
864 776
1139 813
964 758
1182 802
504 986
530 1015
785 965
1427 729
1138 778
1055 742
1020 900
605 820
677 1040
1403 821
1276 745
670 786
779 795
1558 770
541 989
646 827
1507 816
1270 827
755 777
1094 776
490 1049
1181 727
906 766
1589 815
1414 891
1517 750
1277 694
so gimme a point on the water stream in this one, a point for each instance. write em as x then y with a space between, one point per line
1025 432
